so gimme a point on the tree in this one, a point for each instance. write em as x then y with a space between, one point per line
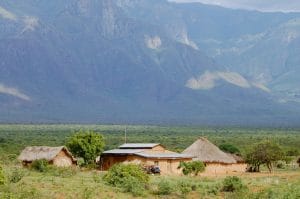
266 153
229 148
87 145
194 167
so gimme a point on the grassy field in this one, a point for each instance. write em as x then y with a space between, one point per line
89 184
283 183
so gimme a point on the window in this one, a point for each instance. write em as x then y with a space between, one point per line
156 163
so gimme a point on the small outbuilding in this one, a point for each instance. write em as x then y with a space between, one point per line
145 154
216 161
58 156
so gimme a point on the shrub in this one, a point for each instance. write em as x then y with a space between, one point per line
2 176
16 175
214 189
292 152
80 162
129 177
40 165
229 148
87 145
194 167
232 184
134 186
280 164
164 187
185 187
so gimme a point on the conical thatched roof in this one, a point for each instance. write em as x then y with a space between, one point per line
238 158
203 150
32 153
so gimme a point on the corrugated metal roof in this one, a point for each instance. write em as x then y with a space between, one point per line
138 145
164 155
123 151
142 153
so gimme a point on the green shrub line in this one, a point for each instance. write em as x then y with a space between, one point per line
165 187
232 184
40 165
192 168
129 177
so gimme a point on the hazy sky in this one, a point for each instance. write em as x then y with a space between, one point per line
262 5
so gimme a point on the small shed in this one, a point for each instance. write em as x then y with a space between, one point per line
216 161
58 156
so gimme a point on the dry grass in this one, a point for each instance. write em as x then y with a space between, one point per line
89 184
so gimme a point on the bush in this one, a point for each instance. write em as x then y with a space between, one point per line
214 189
232 184
40 165
194 167
229 148
129 177
134 186
87 145
16 175
292 152
2 176
164 187
281 165
185 187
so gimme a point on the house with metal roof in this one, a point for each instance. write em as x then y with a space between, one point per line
145 154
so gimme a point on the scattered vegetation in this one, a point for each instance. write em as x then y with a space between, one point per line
40 165
16 175
185 187
87 145
2 176
229 148
266 153
165 187
232 184
129 177
192 168
83 183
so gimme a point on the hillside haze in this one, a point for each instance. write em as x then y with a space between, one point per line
141 61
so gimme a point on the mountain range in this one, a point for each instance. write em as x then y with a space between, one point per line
141 61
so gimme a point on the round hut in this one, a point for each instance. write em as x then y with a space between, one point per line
216 161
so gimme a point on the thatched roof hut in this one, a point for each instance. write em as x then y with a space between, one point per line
203 150
58 156
216 161
238 158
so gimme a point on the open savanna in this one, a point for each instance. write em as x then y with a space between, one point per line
88 183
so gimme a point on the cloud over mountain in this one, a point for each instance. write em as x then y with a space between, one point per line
265 5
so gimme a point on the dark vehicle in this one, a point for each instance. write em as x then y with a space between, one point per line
155 170
152 169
